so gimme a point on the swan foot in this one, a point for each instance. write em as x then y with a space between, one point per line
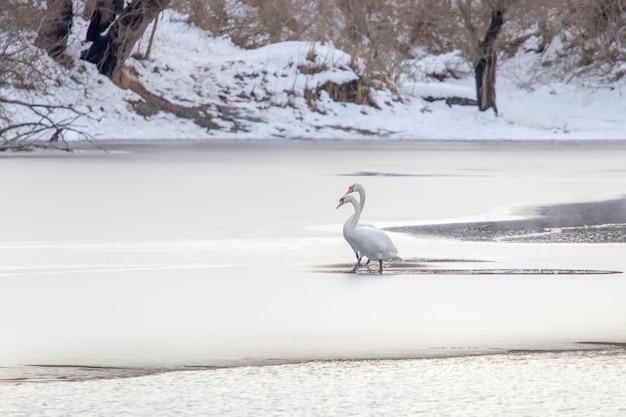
356 266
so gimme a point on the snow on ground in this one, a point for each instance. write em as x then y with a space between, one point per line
261 93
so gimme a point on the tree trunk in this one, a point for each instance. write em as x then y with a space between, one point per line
485 68
151 41
110 51
55 27
103 15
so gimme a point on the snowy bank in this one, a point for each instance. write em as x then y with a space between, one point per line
277 92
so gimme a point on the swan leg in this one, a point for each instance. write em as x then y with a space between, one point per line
358 262
380 262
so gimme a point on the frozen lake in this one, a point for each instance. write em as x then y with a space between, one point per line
167 256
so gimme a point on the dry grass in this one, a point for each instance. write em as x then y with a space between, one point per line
356 91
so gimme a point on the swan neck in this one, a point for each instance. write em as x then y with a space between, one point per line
361 199
357 214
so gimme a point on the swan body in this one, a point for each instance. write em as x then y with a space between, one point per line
369 241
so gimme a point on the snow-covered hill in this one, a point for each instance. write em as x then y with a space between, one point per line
273 92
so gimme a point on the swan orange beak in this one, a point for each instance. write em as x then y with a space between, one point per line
350 190
340 204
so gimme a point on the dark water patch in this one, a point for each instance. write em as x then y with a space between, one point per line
585 214
615 345
594 222
46 373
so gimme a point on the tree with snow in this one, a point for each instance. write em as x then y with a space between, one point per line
485 50
113 31
112 44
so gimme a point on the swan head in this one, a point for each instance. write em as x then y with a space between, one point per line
355 187
347 199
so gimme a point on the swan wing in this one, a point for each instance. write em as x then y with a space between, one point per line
374 243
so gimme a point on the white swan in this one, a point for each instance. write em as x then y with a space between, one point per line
356 187
369 241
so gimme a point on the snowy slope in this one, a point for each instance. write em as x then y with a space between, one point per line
262 94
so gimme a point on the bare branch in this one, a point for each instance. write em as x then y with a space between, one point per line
46 128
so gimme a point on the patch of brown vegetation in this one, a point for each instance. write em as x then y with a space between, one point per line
355 91
152 104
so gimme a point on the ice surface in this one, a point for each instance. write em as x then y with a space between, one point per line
199 254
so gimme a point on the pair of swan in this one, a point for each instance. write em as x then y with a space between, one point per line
365 239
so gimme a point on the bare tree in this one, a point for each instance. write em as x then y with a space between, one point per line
110 50
113 30
594 38
475 14
30 118
19 59
103 15
485 66
56 27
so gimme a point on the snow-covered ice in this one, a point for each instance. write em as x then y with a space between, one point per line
204 253
209 254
